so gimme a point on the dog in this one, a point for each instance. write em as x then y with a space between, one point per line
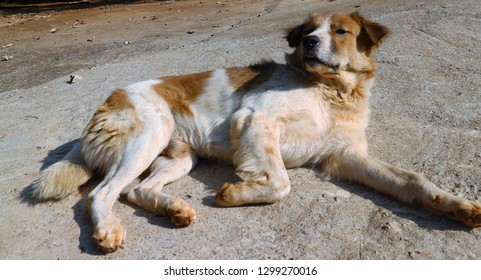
264 119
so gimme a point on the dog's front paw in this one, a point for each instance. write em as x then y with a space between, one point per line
180 212
226 196
469 212
109 234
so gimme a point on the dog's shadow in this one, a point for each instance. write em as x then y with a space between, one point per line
420 217
212 175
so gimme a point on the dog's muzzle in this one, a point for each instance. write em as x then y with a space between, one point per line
310 42
311 45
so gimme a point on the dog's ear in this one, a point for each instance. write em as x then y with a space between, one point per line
294 35
371 36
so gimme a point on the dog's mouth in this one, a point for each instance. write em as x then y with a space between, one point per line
315 61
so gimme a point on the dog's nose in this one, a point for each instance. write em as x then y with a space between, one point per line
310 41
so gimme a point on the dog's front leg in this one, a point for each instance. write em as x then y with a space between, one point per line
258 161
408 187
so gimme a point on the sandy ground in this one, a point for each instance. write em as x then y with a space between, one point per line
425 117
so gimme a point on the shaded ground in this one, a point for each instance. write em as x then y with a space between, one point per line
425 117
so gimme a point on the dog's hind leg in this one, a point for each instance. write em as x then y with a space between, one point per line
406 186
258 162
173 163
121 142
137 156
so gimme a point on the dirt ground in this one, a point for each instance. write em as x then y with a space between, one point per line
426 117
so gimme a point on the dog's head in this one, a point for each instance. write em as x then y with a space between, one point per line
328 44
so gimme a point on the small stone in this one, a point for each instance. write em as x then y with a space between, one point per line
74 79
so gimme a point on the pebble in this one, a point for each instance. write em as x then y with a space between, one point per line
74 79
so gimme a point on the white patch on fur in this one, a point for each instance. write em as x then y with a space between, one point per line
142 95
322 32
212 110
153 110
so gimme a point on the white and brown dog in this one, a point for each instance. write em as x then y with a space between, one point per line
263 119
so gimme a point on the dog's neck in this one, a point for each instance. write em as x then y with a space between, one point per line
348 88
346 81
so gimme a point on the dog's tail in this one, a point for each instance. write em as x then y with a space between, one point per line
62 178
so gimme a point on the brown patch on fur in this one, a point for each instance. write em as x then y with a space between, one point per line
118 100
243 79
180 91
111 126
371 34
269 151
177 148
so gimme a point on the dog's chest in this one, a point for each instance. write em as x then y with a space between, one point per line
302 119
302 133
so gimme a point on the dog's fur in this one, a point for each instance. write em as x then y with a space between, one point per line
263 119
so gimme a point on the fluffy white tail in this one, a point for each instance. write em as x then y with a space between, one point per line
62 178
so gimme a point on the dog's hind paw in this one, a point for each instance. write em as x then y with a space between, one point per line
109 234
180 212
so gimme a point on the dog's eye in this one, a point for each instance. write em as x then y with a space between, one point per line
341 31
